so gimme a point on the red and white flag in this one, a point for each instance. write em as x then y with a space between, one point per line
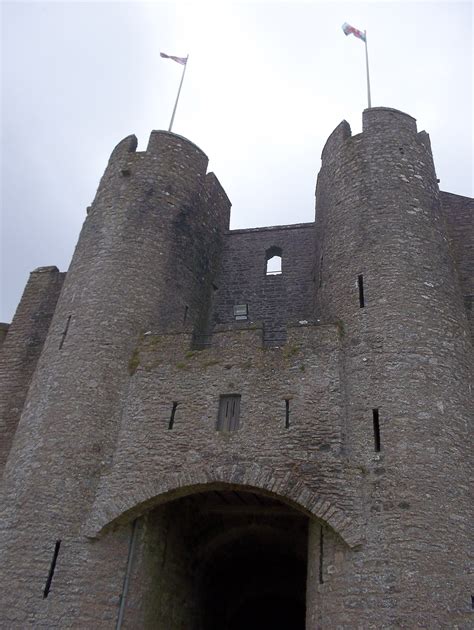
181 60
348 29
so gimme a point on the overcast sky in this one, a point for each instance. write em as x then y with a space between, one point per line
266 84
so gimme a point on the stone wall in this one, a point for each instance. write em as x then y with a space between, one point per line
3 332
161 593
458 212
21 348
273 300
306 372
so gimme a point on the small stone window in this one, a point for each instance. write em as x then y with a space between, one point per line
229 413
274 261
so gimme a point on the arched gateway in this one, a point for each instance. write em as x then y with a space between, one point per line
223 556
121 506
222 559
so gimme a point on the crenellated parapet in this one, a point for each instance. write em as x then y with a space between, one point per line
377 192
172 163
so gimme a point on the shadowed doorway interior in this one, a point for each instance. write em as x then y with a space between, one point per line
227 559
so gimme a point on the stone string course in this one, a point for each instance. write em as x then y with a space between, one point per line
95 360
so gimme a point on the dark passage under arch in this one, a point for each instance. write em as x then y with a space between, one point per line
221 560
256 581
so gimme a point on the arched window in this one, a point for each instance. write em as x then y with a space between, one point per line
274 261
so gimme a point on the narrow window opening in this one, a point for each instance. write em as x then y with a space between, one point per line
472 602
375 414
321 551
274 266
185 317
64 333
274 258
51 569
360 284
173 413
229 413
287 413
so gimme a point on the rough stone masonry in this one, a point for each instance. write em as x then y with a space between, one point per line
205 429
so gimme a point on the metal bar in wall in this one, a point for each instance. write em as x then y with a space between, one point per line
128 570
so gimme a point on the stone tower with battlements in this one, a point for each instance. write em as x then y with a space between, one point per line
204 429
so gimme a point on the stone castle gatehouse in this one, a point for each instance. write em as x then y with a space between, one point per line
204 429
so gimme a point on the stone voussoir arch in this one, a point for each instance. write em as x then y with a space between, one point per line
110 509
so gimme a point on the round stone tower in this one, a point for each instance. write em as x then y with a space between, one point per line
146 258
386 273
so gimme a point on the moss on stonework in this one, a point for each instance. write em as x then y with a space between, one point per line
210 362
290 350
181 365
134 362
151 366
151 341
340 327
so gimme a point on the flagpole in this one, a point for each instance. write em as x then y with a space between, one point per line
367 67
179 92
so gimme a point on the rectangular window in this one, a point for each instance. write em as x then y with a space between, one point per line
229 412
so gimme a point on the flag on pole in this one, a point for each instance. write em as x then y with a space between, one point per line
348 29
181 60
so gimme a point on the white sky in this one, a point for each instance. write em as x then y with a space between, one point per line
266 84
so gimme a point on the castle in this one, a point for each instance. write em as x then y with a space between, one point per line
204 429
